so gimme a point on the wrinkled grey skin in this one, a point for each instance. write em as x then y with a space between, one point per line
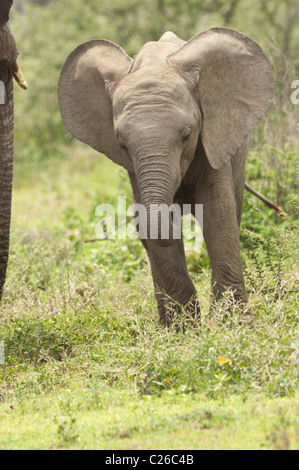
8 55
178 117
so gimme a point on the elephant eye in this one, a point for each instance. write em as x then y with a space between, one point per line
186 136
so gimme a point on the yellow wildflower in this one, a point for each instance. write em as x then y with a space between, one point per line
223 361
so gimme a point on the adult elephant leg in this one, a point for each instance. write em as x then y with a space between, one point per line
6 174
172 283
221 232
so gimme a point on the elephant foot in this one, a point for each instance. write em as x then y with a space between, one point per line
179 317
229 307
246 319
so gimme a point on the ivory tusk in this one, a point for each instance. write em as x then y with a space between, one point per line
18 75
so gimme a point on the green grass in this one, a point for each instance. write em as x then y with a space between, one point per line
87 363
102 417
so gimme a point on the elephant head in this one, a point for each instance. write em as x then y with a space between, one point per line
149 114
8 68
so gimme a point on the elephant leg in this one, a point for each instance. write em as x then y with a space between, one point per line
238 170
162 307
221 232
6 172
239 195
172 283
173 286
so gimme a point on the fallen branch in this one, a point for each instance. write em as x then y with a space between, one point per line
99 240
266 201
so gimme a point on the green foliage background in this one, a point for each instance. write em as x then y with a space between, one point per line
47 31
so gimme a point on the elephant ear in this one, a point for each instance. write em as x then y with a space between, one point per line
4 11
235 87
84 100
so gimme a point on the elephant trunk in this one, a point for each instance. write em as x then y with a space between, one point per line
157 186
6 174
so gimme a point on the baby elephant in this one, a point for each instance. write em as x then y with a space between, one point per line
178 118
